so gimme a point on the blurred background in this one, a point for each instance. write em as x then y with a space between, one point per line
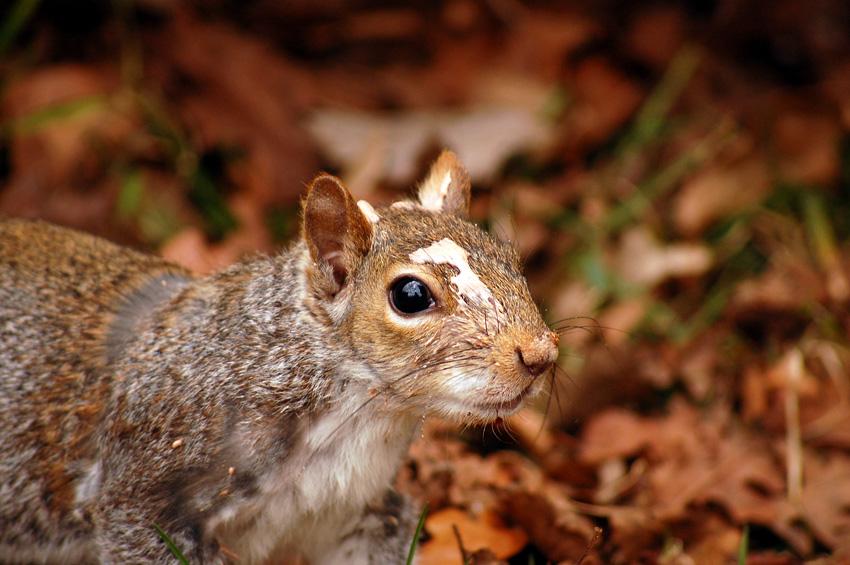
675 175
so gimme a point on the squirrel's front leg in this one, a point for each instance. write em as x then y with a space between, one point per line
124 516
381 534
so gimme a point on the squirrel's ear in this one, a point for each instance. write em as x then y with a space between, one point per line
335 229
446 189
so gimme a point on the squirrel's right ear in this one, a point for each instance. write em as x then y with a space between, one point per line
337 232
446 189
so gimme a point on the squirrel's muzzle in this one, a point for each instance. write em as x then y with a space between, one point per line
536 356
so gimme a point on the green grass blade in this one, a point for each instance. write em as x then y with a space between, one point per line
18 17
206 195
58 113
745 545
651 116
174 549
415 543
130 195
819 229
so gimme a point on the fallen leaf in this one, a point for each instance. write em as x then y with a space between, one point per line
483 531
826 498
656 34
643 260
252 98
559 535
483 138
807 145
720 190
605 99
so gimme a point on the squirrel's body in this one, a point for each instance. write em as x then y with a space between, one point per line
263 410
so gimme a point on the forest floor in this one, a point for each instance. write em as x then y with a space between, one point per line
676 176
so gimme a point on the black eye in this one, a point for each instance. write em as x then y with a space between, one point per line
410 296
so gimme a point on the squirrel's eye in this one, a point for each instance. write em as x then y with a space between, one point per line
410 296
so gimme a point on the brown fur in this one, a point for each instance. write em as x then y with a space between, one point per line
263 410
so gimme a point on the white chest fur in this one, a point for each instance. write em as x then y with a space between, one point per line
343 463
352 458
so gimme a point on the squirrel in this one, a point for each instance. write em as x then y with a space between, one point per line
261 411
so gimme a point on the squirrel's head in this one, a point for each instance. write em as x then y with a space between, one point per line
437 309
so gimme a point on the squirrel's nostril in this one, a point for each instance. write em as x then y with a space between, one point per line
537 355
534 368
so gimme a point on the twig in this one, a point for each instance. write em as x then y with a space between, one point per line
597 533
793 443
464 555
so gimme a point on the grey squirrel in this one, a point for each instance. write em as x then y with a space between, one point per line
260 411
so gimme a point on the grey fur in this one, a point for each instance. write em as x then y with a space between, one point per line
260 411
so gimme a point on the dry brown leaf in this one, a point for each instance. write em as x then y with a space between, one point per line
604 100
559 535
656 34
696 459
718 541
807 143
483 138
190 249
826 498
479 481
601 380
643 260
252 98
543 40
775 302
747 483
616 433
58 165
633 529
719 190
754 394
698 366
623 316
483 531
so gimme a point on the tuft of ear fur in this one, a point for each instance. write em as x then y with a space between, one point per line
447 187
337 232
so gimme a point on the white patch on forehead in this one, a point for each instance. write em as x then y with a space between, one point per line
368 211
433 193
448 252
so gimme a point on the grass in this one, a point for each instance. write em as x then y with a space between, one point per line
198 176
647 140
416 535
171 545
15 22
744 550
414 544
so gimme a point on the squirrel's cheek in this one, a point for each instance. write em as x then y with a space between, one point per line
482 384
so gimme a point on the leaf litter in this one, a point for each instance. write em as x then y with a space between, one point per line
674 177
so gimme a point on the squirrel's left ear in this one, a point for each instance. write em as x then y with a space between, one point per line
335 229
446 189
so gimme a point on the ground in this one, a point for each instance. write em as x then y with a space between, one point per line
675 175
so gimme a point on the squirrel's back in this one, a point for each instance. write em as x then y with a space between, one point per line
52 278
61 295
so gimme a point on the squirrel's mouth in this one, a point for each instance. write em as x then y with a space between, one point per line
492 410
500 409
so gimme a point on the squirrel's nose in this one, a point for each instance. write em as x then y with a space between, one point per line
537 355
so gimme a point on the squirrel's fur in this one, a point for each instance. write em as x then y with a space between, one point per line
263 410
